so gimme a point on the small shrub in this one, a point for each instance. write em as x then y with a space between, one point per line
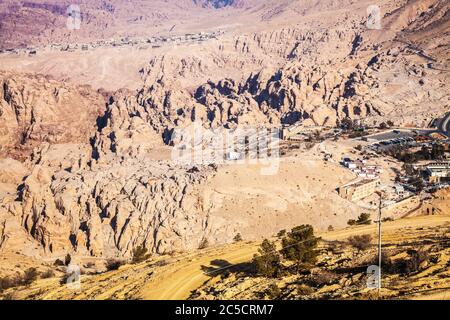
140 254
161 263
26 279
273 291
48 274
113 264
281 233
364 218
237 238
30 276
7 282
58 262
361 243
304 290
330 228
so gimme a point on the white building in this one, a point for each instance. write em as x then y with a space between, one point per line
438 171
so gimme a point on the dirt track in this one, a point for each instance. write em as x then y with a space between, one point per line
177 284
188 277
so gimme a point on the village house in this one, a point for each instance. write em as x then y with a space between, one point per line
438 172
358 190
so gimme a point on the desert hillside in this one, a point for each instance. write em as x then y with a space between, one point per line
226 272
91 115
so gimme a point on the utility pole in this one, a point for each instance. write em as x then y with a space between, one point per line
379 241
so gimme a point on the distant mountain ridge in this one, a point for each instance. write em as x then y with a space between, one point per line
100 19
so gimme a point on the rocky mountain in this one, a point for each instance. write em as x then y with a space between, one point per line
364 74
98 19
90 177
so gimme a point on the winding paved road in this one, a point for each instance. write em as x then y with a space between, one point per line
444 125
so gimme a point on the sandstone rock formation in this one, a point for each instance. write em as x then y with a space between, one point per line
105 209
34 109
88 181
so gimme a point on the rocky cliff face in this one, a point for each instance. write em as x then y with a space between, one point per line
391 83
34 109
104 209
321 72
101 199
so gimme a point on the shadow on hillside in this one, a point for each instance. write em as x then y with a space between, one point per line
351 270
219 266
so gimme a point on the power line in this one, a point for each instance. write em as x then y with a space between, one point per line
379 243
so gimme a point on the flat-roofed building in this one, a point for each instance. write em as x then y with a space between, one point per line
359 190
438 171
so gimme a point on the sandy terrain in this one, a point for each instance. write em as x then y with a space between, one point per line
110 69
301 191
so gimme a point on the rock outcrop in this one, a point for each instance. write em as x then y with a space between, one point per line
34 109
106 209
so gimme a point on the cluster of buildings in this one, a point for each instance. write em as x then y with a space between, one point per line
427 176
362 168
409 142
406 140
141 42
430 173
367 182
